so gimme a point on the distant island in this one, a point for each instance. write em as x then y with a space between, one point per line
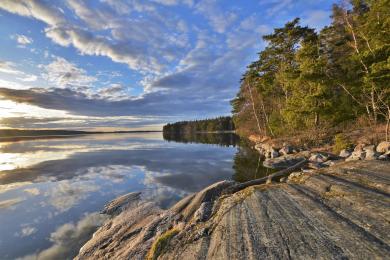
22 134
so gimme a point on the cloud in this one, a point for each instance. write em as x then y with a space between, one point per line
62 73
127 44
277 6
316 18
66 195
9 68
26 231
34 8
97 19
68 238
29 78
22 39
33 191
218 19
12 186
156 103
5 204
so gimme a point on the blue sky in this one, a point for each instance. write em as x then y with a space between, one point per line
131 64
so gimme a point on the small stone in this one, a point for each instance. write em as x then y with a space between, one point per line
385 156
286 149
345 153
318 157
328 163
274 153
316 165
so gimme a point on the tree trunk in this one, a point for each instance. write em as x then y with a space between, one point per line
316 119
388 124
254 108
266 117
366 71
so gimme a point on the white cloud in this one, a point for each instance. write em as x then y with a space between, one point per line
33 191
62 73
277 6
22 39
316 18
26 231
67 195
97 19
29 78
10 202
69 238
218 19
9 68
33 8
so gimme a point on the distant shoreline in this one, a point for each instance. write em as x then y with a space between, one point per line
19 135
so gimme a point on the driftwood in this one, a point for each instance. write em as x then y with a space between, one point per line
267 179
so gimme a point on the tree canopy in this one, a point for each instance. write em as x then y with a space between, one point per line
306 79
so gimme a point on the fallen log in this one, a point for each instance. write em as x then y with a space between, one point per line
282 173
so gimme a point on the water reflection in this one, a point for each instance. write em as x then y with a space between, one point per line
225 139
50 193
51 190
247 163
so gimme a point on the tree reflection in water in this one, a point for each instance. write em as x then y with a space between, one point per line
247 163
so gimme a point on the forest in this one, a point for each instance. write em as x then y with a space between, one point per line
306 79
219 124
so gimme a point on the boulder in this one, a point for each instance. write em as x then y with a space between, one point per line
371 153
383 147
345 153
358 154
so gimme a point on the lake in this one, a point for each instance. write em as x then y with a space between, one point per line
51 190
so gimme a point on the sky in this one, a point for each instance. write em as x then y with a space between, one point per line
132 64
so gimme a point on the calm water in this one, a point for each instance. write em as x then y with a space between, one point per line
51 190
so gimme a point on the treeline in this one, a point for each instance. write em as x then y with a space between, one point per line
219 124
19 132
305 79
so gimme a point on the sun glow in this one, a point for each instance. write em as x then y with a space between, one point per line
10 108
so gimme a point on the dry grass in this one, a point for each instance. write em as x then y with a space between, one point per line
323 139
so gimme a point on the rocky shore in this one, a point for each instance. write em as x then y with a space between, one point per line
324 206
279 157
